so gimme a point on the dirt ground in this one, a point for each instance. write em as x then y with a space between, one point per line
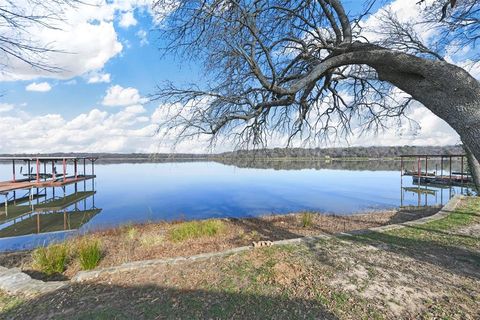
151 241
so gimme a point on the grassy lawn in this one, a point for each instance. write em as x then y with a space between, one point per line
430 271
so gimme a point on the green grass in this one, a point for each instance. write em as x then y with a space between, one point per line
131 232
442 231
196 229
51 259
307 219
434 234
8 302
151 240
89 254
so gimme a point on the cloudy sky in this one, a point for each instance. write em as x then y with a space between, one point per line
110 63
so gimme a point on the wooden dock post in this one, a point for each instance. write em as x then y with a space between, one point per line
64 169
38 171
441 167
13 168
401 165
419 168
6 204
450 169
75 168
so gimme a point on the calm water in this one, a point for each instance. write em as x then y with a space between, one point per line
129 193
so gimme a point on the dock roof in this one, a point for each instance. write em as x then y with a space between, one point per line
33 158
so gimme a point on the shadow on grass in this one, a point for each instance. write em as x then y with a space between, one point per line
408 215
454 259
273 230
100 301
266 229
443 233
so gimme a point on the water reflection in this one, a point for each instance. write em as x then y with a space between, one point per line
47 210
136 193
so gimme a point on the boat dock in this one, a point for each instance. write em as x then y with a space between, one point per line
443 175
41 172
33 206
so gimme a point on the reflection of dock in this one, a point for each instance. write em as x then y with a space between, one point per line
443 180
420 190
41 209
49 222
64 202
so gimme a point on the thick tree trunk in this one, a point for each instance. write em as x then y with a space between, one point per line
448 91
474 167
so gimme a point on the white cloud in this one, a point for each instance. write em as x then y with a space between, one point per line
83 41
99 77
432 131
128 130
118 96
39 87
142 34
127 20
5 107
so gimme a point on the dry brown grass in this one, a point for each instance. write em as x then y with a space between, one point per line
155 241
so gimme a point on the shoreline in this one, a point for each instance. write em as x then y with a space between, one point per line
136 242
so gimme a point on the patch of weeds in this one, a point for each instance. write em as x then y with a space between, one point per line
8 302
151 240
322 299
196 229
51 259
340 298
89 254
131 232
250 236
307 219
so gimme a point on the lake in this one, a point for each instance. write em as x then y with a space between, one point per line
139 192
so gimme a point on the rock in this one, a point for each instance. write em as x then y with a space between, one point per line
14 281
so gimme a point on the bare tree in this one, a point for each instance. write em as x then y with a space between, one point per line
16 42
307 68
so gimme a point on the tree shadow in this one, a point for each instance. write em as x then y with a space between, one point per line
266 229
402 216
101 301
457 260
443 233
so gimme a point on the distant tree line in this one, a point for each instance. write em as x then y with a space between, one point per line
350 152
309 153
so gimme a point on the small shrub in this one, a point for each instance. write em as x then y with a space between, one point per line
196 229
89 254
132 233
51 259
150 240
307 219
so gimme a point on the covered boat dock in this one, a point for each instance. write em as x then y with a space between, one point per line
41 172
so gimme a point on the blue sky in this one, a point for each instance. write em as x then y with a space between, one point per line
98 102
138 65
